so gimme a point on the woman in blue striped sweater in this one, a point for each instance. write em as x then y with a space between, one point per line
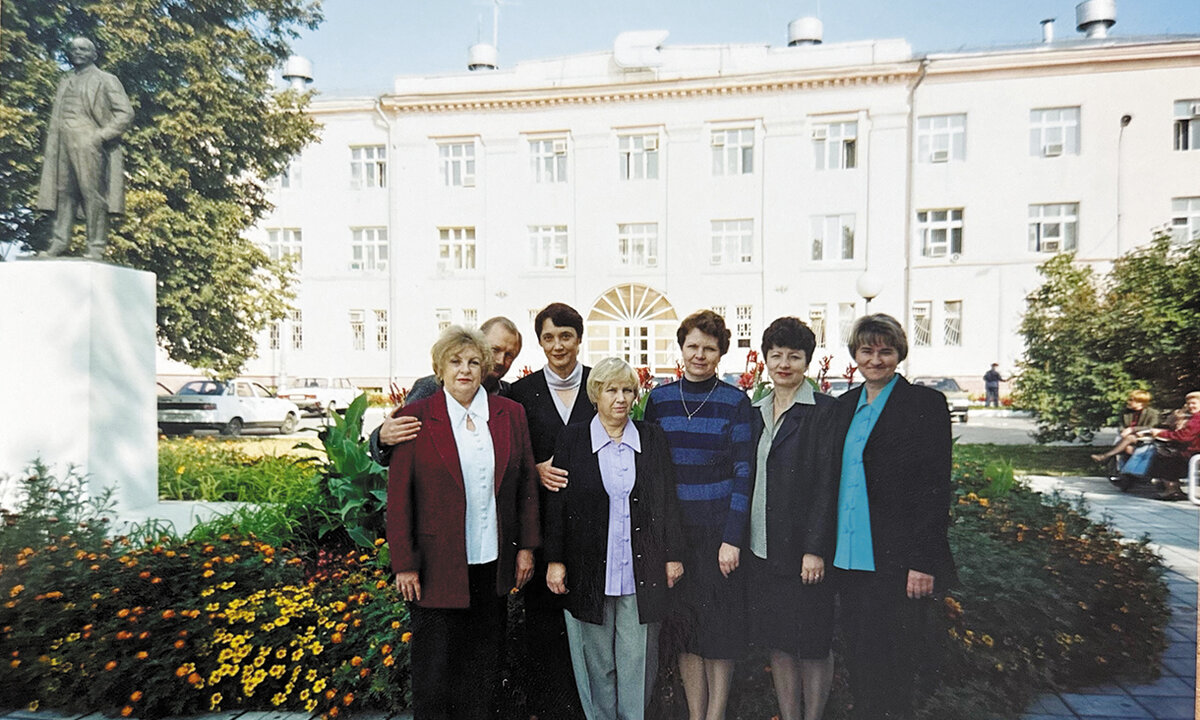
708 427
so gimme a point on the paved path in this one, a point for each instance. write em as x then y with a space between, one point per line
1174 531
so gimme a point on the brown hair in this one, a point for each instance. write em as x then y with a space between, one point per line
452 340
878 329
707 322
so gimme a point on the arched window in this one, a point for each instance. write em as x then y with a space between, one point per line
636 323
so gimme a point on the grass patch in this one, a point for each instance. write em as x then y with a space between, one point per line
1054 460
213 470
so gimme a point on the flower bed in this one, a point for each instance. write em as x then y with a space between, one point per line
159 626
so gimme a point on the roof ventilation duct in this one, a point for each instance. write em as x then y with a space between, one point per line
482 56
298 71
1048 30
805 31
1095 17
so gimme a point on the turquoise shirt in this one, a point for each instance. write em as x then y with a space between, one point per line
854 549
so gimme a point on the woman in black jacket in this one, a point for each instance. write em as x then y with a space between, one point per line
612 545
791 525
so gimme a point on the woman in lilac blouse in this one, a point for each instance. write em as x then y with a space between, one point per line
613 543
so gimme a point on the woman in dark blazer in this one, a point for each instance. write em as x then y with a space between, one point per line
791 525
462 523
892 457
613 543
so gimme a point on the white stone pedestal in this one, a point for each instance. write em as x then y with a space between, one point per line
77 343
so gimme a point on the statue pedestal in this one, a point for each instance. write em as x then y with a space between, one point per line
77 376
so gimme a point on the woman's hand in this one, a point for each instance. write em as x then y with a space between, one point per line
556 578
727 558
674 572
553 479
524 567
812 569
919 584
408 584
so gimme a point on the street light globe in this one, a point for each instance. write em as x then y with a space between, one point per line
869 285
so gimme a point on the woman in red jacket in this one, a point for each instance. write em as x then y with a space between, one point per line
462 523
1189 437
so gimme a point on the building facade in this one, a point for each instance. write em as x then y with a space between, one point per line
756 181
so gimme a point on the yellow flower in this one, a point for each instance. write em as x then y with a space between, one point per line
179 470
319 685
214 703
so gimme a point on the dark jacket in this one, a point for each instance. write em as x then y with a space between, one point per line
576 530
421 389
908 462
802 490
427 504
1148 418
544 421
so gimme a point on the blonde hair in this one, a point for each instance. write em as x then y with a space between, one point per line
452 340
608 372
1141 396
1193 395
878 329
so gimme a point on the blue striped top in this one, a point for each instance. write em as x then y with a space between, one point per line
712 452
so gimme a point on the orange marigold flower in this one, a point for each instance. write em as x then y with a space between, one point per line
335 638
143 635
330 694
168 614
406 637
142 655
333 712
180 644
389 661
123 612
364 672
356 661
194 679
15 664
136 695
181 671
126 711
145 574
110 665
348 698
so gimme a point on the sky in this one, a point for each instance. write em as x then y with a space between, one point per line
363 44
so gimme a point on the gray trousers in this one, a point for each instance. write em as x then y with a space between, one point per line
81 167
617 660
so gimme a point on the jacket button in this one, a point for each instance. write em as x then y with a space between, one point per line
639 557
634 499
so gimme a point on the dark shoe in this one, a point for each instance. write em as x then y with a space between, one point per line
1171 497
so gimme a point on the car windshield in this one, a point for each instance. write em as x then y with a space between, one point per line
202 387
943 384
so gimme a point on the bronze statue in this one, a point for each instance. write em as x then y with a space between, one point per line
83 160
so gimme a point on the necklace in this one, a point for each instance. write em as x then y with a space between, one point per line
683 402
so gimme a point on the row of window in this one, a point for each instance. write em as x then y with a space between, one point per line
358 330
1052 228
1053 132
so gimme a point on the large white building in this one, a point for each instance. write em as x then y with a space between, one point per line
642 184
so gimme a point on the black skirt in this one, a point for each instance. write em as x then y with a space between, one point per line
785 614
708 610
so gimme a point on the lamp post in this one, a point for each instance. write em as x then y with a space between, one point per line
869 285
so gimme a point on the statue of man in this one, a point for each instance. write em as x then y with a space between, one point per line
83 161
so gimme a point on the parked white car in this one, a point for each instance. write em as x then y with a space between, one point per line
228 407
320 395
957 399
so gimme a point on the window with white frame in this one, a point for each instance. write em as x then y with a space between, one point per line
273 337
368 166
358 330
456 249
442 316
548 159
1054 132
297 330
638 155
381 329
282 242
922 323
548 247
368 248
732 242
940 231
846 318
457 163
290 178
1053 228
1187 124
718 309
833 237
816 323
637 245
470 317
952 323
1185 219
732 151
941 138
745 325
836 145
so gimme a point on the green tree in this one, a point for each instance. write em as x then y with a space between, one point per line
208 130
1090 340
